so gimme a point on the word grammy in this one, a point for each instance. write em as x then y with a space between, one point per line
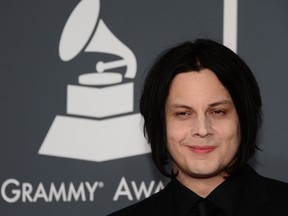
14 191
132 191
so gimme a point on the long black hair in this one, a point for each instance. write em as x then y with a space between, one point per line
232 72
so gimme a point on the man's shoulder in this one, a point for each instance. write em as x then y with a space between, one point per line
270 183
148 206
276 188
274 197
270 193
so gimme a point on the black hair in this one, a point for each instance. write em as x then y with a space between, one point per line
232 72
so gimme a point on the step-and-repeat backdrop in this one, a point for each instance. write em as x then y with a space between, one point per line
71 72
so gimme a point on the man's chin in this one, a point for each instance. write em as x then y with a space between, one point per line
207 173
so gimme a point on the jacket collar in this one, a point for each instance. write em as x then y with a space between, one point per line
254 192
246 191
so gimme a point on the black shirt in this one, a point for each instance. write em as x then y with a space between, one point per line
245 194
225 197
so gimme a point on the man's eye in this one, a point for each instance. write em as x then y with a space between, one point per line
218 112
181 113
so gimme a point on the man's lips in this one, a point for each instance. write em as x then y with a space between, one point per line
202 149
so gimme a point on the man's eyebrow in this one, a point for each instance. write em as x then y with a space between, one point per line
210 105
180 106
220 103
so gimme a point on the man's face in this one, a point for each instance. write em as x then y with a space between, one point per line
203 132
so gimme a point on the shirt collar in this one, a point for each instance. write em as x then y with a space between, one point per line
225 196
183 198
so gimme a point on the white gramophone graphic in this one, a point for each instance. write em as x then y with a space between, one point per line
100 94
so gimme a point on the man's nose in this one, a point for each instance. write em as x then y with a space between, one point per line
201 127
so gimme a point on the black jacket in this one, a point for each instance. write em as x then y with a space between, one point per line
260 196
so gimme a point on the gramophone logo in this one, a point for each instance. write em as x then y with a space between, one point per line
100 94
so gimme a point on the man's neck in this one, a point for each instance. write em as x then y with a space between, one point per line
201 186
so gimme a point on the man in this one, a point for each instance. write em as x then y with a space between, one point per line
202 110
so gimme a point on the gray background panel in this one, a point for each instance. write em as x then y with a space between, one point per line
33 82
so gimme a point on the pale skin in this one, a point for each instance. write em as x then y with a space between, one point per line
203 131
